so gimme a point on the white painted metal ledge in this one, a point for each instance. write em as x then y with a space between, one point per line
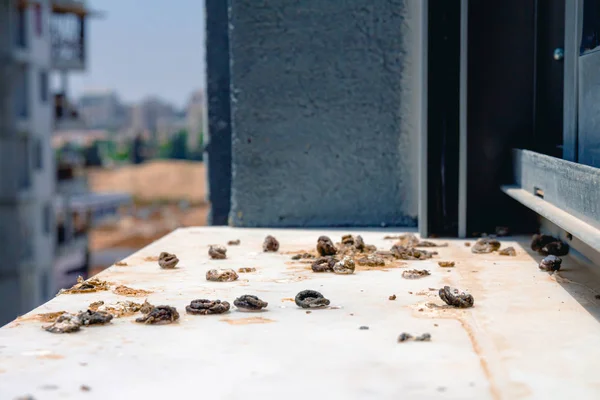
530 334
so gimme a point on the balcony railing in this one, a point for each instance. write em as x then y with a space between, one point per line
67 32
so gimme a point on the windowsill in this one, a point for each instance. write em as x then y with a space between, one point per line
278 336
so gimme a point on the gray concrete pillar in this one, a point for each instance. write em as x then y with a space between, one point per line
323 112
218 121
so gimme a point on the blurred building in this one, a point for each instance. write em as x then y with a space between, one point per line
152 115
26 206
102 109
37 221
195 118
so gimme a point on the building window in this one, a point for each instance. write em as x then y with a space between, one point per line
21 94
21 27
47 218
38 152
44 86
39 21
24 171
27 250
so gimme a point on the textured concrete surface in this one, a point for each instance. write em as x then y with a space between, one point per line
218 129
324 113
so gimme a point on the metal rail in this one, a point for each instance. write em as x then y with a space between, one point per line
563 192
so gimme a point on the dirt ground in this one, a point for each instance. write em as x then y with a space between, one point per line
154 181
158 188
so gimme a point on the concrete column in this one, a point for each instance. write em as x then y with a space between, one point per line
218 121
324 112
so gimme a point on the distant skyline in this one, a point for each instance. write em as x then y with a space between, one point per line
144 48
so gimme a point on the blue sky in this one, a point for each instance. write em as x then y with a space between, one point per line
145 47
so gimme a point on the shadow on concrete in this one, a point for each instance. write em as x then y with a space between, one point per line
580 280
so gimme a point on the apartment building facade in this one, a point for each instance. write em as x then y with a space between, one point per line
26 205
36 38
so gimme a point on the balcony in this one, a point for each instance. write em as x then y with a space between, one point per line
66 116
67 30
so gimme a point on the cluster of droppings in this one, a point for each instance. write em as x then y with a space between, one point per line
167 260
325 246
217 252
69 323
121 308
549 245
324 264
456 298
311 299
65 323
89 286
270 244
344 267
159 315
415 273
90 317
410 253
550 263
353 246
405 337
221 275
207 307
249 303
371 260
339 258
485 245
508 251
446 264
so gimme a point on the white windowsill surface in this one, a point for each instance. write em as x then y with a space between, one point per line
530 335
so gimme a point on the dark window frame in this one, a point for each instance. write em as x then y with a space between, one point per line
38 154
47 218
38 13
44 86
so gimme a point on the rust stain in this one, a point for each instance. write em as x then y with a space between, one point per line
449 312
121 264
479 351
50 357
123 290
151 258
288 299
44 317
247 321
2 371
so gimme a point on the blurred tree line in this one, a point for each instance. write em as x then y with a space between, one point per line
137 150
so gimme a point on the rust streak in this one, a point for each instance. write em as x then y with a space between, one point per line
449 312
247 321
50 357
479 351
